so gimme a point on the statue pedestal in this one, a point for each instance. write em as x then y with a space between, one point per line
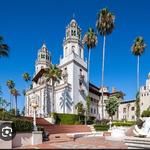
117 134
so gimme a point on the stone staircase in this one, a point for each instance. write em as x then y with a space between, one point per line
137 143
59 129
92 128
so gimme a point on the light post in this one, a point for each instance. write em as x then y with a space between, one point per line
110 123
34 105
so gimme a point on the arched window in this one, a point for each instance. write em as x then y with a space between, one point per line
47 57
42 56
72 32
73 48
66 51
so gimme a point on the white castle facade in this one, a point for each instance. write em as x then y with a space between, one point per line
73 86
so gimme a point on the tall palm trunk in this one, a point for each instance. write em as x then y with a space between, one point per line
10 101
103 61
88 81
15 105
138 72
53 106
88 65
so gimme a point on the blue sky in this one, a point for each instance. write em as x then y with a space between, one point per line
25 24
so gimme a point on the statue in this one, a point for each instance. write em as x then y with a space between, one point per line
144 131
117 134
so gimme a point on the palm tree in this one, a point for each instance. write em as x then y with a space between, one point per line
105 26
53 74
90 40
10 84
4 49
15 93
26 78
138 48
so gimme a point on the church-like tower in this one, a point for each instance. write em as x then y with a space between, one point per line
43 60
73 65
72 41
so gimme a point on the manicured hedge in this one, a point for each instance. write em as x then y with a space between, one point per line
20 125
6 116
101 127
66 118
146 113
71 119
121 123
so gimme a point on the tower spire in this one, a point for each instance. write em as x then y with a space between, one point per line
44 44
73 16
43 59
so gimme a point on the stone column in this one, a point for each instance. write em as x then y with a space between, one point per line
36 137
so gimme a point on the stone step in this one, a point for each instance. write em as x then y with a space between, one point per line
59 138
137 139
141 146
138 142
134 147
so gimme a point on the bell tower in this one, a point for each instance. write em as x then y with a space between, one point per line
72 41
43 60
74 65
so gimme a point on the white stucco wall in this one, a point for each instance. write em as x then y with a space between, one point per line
126 111
145 96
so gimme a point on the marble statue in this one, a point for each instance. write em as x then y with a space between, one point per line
145 130
117 134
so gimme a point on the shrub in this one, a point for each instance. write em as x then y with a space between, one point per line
146 113
39 128
20 125
101 127
66 119
72 119
54 115
127 123
77 123
103 121
4 115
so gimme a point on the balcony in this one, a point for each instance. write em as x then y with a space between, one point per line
81 90
81 78
64 74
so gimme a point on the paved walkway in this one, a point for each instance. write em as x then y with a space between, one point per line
81 143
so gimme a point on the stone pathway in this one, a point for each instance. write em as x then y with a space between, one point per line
81 143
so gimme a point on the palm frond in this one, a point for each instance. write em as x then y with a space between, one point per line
138 46
105 22
4 49
90 39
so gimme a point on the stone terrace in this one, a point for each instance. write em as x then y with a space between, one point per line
81 143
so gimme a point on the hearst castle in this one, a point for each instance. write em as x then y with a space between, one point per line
73 86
